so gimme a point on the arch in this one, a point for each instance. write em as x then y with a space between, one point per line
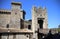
40 22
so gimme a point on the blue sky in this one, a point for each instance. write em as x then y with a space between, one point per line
52 6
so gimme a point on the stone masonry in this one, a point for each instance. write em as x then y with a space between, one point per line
14 26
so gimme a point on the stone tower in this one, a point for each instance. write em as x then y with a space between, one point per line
39 19
16 15
12 18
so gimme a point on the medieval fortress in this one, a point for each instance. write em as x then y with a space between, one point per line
14 26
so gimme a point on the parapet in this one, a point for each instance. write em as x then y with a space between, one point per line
16 3
5 11
39 9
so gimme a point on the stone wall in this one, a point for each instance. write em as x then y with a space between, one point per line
17 36
4 20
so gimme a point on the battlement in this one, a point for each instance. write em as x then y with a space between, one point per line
5 11
39 9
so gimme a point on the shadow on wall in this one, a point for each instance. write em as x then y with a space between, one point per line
51 36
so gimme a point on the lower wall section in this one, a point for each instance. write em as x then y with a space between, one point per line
4 37
10 36
21 37
15 36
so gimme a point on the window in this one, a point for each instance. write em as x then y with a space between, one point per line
7 25
22 24
29 26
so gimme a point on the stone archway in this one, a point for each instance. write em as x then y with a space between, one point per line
40 22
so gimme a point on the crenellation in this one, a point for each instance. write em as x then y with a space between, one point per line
5 10
39 9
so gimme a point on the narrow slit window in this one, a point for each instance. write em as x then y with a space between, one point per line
7 25
29 26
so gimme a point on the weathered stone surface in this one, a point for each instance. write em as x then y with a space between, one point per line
39 14
11 20
14 26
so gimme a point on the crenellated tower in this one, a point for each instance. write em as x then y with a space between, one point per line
39 19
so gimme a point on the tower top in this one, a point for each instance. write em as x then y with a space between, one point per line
16 3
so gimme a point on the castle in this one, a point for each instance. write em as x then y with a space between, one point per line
14 26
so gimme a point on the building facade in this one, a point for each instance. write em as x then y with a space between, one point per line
14 26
